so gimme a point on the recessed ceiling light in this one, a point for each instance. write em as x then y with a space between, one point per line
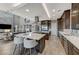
75 11
16 4
53 10
53 15
27 10
59 10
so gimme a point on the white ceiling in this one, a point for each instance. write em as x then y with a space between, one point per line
36 9
59 9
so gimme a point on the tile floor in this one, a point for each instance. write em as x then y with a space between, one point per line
52 47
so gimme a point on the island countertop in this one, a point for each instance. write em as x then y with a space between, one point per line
34 36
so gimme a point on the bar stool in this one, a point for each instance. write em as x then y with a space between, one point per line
29 43
18 41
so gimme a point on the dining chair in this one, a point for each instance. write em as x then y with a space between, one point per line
29 44
18 41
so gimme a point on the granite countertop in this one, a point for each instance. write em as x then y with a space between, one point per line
34 36
46 32
71 38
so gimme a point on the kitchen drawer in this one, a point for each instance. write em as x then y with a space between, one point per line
75 51
70 48
62 41
66 45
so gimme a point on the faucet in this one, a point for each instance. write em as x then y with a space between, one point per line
72 32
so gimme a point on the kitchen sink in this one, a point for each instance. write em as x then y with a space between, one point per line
69 34
72 35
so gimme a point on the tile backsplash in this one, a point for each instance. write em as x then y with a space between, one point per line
68 31
76 32
72 31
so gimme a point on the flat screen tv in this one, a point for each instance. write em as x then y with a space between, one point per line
5 26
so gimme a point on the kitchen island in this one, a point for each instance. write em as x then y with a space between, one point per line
40 38
45 32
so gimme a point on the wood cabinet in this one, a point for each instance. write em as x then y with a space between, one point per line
62 41
64 21
75 16
47 24
75 51
66 45
69 48
67 19
60 24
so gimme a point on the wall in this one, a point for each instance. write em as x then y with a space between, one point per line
16 20
16 23
21 24
5 17
9 18
54 27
